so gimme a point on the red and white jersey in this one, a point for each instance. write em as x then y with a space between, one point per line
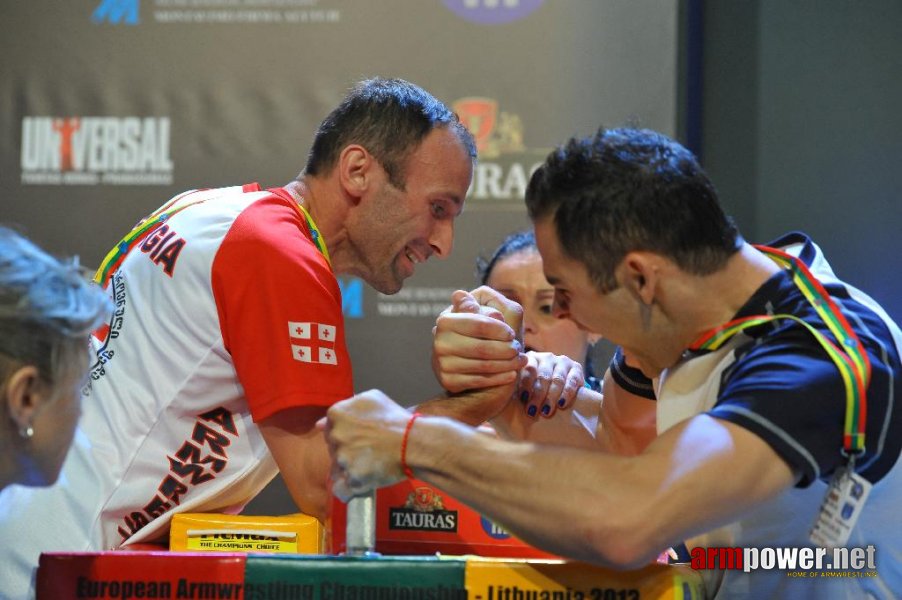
226 312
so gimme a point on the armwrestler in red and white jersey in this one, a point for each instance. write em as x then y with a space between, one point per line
227 344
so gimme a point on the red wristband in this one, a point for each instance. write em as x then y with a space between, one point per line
407 470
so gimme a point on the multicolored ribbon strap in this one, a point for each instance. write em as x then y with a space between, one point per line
150 224
318 239
847 354
137 235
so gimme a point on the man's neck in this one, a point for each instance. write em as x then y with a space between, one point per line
719 296
328 213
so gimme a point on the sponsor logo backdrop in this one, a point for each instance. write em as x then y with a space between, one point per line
110 107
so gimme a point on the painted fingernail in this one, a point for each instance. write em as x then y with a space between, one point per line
531 411
562 402
546 409
524 396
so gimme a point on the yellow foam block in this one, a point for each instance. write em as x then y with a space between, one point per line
500 579
297 533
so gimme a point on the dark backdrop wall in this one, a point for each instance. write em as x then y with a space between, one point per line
799 112
802 128
109 107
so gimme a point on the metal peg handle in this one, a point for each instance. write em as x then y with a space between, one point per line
360 535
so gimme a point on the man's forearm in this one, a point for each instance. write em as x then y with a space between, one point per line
520 484
612 510
577 426
472 408
302 455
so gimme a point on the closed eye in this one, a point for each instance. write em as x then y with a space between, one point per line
439 210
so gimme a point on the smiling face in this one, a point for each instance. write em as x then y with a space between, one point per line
519 277
396 229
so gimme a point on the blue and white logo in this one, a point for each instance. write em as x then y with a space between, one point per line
116 12
494 530
492 12
351 297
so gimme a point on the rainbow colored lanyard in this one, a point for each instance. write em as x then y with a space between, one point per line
144 228
318 239
847 354
147 226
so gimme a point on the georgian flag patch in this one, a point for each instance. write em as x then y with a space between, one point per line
317 342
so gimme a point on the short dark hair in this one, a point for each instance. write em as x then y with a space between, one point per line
388 117
519 241
629 189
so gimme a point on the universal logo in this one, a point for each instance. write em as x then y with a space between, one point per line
423 511
96 150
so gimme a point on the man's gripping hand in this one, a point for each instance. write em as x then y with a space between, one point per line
477 341
364 435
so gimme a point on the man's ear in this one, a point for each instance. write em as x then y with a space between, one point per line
639 273
23 395
355 166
